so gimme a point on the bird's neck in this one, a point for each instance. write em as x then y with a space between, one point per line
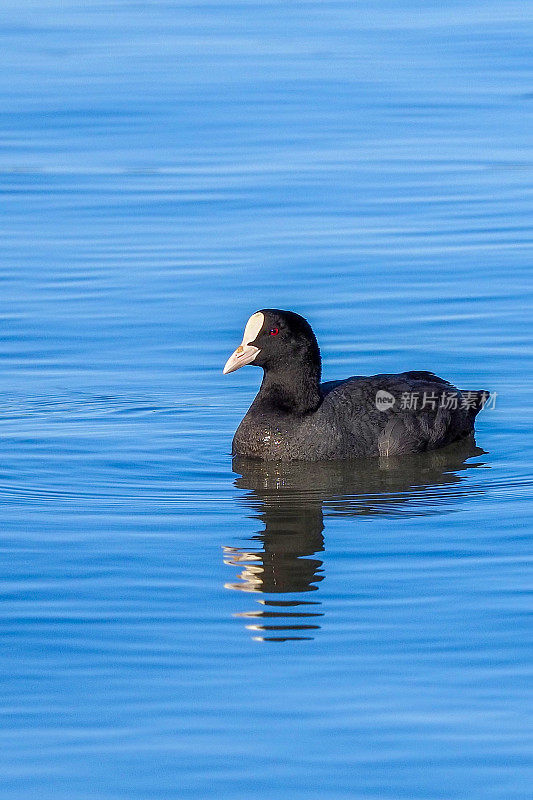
290 390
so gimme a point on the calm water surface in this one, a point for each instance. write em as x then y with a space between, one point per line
175 625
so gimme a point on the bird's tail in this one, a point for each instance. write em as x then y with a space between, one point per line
475 400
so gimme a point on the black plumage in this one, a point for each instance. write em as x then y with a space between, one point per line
296 417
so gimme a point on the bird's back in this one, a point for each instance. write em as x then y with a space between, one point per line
393 414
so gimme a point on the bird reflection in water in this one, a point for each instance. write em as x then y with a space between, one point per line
283 563
291 500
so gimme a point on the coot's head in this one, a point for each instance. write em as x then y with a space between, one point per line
278 341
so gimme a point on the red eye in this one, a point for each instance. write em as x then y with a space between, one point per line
274 331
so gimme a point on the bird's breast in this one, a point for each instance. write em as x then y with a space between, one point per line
265 438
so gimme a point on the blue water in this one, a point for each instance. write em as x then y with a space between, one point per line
173 626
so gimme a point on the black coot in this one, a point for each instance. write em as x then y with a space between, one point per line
295 417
